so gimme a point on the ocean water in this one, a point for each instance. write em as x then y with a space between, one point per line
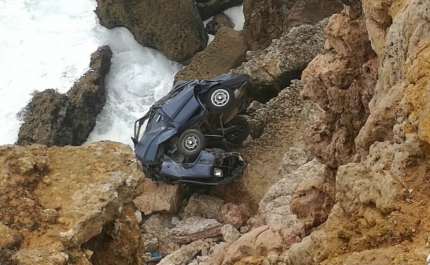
47 44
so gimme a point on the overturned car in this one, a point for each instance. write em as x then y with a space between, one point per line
189 132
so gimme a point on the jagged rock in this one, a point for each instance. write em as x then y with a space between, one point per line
273 69
150 243
225 52
202 205
60 198
275 206
292 160
195 228
158 225
266 20
211 8
120 241
261 241
173 27
183 255
52 118
10 238
286 117
219 21
157 197
342 83
233 214
229 233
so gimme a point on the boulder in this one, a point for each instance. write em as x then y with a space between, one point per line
52 118
195 228
57 199
173 27
209 8
158 225
219 21
267 20
272 69
229 233
233 214
202 205
225 52
158 197
183 255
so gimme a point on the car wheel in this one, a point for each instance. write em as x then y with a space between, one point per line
191 143
219 99
240 131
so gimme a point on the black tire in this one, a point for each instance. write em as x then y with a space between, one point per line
191 143
240 132
219 99
219 144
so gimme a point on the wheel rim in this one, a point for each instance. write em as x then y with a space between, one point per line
190 143
220 98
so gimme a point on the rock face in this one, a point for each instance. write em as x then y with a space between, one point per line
342 82
209 8
55 200
286 117
270 19
52 118
273 68
225 52
173 27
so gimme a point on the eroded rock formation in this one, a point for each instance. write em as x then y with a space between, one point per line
58 119
173 27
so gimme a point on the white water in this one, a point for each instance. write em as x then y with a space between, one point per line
48 44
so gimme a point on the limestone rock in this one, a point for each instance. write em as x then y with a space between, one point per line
275 206
158 226
157 197
195 228
183 255
342 83
270 19
229 233
60 198
173 27
273 69
202 205
233 214
225 52
209 8
286 117
219 21
55 119
10 238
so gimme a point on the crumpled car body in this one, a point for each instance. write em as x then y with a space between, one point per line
182 109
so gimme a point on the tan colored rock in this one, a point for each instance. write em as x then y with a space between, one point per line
202 205
158 225
158 197
183 255
287 117
225 52
9 238
195 228
60 198
229 233
233 214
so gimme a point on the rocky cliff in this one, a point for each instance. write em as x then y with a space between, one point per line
337 165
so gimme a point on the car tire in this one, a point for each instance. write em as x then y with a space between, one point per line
240 132
219 99
191 143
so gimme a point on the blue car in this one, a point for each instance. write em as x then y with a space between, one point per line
188 132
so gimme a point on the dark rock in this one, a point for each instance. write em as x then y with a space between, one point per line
225 52
52 118
174 27
209 8
273 69
266 20
220 20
